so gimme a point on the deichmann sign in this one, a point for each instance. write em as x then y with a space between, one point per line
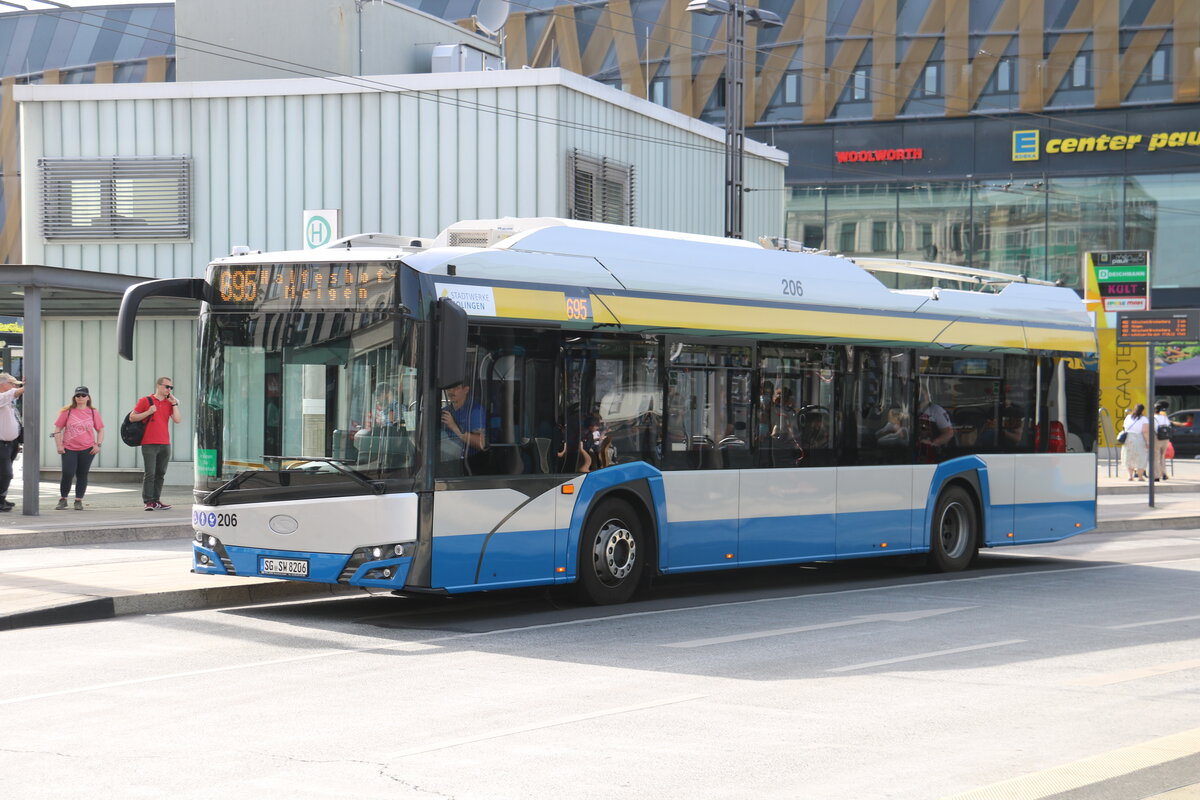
890 154
1025 143
1119 279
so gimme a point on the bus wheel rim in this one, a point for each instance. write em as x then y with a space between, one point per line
614 553
953 528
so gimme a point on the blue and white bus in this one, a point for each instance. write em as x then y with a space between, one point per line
526 402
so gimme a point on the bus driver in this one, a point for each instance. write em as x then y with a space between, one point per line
462 424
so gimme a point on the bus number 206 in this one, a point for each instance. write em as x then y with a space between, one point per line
210 519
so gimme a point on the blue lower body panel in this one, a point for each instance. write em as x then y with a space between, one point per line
771 540
1051 522
493 561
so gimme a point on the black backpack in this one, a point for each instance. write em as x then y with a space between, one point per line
1163 433
132 432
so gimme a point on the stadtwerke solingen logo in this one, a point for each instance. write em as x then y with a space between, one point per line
1025 146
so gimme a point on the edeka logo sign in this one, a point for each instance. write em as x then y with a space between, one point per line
1025 146
1025 143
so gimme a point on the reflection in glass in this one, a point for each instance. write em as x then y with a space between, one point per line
1161 215
1084 214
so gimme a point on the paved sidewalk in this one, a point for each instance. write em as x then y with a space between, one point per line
114 558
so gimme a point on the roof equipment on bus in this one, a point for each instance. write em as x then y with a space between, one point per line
980 278
409 243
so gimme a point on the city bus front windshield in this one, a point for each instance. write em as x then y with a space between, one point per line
305 404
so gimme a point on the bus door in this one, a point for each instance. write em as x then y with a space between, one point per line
709 405
877 490
495 518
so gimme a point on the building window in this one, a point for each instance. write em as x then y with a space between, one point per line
658 91
859 84
1004 83
1080 72
931 81
116 198
716 99
879 236
1157 72
848 233
791 89
599 189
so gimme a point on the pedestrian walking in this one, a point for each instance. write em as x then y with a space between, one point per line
78 433
1162 438
158 410
1136 451
10 433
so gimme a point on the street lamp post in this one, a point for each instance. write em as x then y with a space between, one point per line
737 16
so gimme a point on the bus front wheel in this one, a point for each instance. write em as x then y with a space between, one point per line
954 533
612 553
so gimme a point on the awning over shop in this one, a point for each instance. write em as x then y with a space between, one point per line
1181 373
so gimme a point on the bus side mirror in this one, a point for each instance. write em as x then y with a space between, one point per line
451 321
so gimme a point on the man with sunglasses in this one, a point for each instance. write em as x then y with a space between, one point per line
158 410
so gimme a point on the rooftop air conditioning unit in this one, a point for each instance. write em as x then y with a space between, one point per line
463 58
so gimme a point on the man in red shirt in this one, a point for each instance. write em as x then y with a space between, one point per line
158 410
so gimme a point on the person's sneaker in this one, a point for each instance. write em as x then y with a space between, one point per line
62 504
161 506
7 506
79 505
151 506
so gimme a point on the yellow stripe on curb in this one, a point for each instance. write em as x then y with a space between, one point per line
1094 770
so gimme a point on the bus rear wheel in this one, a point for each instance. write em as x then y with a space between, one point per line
612 554
954 533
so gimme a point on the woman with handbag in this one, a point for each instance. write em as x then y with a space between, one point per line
1136 451
78 433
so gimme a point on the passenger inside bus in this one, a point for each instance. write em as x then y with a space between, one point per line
934 429
895 431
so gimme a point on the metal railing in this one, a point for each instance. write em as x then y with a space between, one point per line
1108 433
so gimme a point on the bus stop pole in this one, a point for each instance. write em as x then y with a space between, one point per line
1153 422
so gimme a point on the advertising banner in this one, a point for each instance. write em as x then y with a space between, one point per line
1119 280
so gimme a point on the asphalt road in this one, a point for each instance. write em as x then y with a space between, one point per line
1072 670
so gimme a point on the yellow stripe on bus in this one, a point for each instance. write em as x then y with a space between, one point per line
689 314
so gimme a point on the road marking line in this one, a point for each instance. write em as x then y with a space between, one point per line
897 617
920 656
541 725
1110 678
1089 771
1153 622
422 644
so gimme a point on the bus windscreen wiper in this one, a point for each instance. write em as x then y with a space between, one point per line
233 483
376 487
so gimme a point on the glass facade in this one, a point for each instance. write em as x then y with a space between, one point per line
1036 228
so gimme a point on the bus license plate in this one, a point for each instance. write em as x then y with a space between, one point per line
291 567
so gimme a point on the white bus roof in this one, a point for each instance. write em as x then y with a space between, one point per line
650 280
645 278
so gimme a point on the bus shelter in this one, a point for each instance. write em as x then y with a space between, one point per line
36 292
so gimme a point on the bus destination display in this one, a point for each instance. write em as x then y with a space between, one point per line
1158 326
304 287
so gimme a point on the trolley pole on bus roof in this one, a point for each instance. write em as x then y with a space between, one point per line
1151 328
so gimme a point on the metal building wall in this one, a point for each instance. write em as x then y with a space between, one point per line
473 145
82 352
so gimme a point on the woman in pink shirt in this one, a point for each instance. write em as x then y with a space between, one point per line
78 432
